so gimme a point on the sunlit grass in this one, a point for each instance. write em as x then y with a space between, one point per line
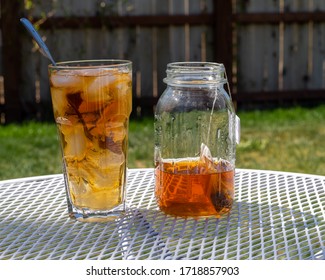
283 139
287 140
30 149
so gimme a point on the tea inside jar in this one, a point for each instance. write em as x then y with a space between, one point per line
189 188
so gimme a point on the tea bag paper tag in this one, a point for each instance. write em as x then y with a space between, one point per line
206 157
237 130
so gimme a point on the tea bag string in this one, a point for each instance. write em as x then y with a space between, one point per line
211 114
213 105
237 119
228 86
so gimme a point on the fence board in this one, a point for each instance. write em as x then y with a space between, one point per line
319 5
256 6
295 72
258 62
317 79
258 50
195 33
160 47
29 72
297 5
295 49
163 57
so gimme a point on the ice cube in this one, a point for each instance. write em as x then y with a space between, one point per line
116 130
102 172
90 107
105 159
75 139
63 121
92 187
107 113
59 101
76 174
113 87
98 89
66 79
110 133
110 178
94 72
122 91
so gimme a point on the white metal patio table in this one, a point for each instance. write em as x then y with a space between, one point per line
276 215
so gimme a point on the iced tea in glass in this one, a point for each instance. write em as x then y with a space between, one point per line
92 102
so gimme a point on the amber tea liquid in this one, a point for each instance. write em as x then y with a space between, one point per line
91 108
187 188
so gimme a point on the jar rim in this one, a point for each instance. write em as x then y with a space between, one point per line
195 73
196 65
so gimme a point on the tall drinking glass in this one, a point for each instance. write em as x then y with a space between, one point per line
92 102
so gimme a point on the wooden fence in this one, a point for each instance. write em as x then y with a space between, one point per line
280 51
273 50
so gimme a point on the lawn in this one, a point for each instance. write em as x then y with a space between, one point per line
282 139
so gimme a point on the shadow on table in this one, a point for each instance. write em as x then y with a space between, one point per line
250 231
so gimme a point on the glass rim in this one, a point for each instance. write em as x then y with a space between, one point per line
90 64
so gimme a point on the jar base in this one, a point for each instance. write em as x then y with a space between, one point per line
192 211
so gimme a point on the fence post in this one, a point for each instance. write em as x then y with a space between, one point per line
223 32
11 11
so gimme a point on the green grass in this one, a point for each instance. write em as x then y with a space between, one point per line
29 150
282 139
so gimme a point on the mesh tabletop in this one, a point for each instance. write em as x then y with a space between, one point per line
276 215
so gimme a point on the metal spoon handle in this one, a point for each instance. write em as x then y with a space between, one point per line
30 28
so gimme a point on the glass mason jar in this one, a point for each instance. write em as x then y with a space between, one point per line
195 141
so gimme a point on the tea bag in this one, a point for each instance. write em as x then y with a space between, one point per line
221 194
210 165
206 159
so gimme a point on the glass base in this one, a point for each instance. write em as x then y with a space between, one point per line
93 216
